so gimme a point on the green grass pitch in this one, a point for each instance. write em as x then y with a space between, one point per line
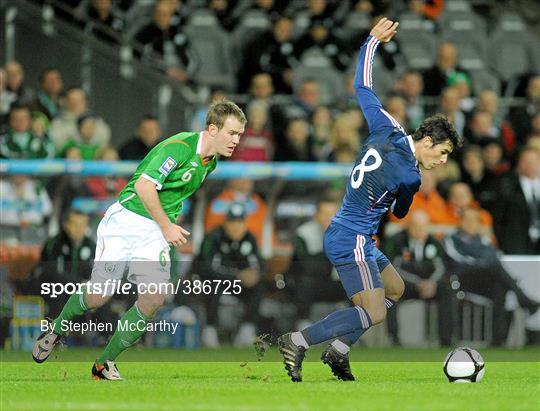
387 379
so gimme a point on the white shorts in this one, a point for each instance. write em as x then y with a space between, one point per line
126 239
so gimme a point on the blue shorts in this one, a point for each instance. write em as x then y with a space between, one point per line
357 260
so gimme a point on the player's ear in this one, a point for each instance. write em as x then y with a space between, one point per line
428 141
213 129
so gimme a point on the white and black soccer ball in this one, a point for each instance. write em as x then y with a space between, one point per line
464 365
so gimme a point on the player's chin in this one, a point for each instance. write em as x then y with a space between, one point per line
228 152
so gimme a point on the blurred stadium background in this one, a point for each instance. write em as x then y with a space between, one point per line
87 87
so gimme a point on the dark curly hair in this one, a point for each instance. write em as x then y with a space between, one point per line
440 130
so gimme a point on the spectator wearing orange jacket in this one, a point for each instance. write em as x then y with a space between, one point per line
238 191
460 197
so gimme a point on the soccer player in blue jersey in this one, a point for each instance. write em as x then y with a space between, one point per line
385 177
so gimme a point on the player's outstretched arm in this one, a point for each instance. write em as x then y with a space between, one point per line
368 101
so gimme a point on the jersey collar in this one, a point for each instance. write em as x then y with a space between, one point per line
199 148
411 146
199 143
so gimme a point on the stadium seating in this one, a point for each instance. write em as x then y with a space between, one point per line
484 80
409 21
468 33
512 50
354 24
457 6
212 44
419 48
418 41
252 24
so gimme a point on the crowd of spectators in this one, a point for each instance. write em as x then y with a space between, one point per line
497 174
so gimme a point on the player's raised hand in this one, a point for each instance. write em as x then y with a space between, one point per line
175 235
384 30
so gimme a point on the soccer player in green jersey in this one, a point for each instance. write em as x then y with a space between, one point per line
138 230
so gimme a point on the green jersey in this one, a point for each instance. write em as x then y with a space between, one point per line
88 151
25 145
177 169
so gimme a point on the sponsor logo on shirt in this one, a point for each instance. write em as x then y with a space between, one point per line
167 166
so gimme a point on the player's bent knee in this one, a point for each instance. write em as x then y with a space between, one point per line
377 312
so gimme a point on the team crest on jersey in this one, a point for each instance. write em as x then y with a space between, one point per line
167 166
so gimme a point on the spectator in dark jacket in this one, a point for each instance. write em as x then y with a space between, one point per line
168 41
146 137
306 100
320 37
230 253
48 96
521 116
517 211
19 93
476 264
109 25
66 258
272 53
298 145
418 257
311 276
436 78
483 183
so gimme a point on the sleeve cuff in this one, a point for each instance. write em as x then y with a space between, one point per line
153 180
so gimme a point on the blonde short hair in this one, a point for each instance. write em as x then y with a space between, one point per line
220 110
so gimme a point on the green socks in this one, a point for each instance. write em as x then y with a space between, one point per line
131 326
76 305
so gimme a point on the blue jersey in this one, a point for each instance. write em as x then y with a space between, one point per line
386 174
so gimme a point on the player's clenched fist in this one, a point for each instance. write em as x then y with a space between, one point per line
384 30
175 235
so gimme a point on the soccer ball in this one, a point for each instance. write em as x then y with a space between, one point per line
464 365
